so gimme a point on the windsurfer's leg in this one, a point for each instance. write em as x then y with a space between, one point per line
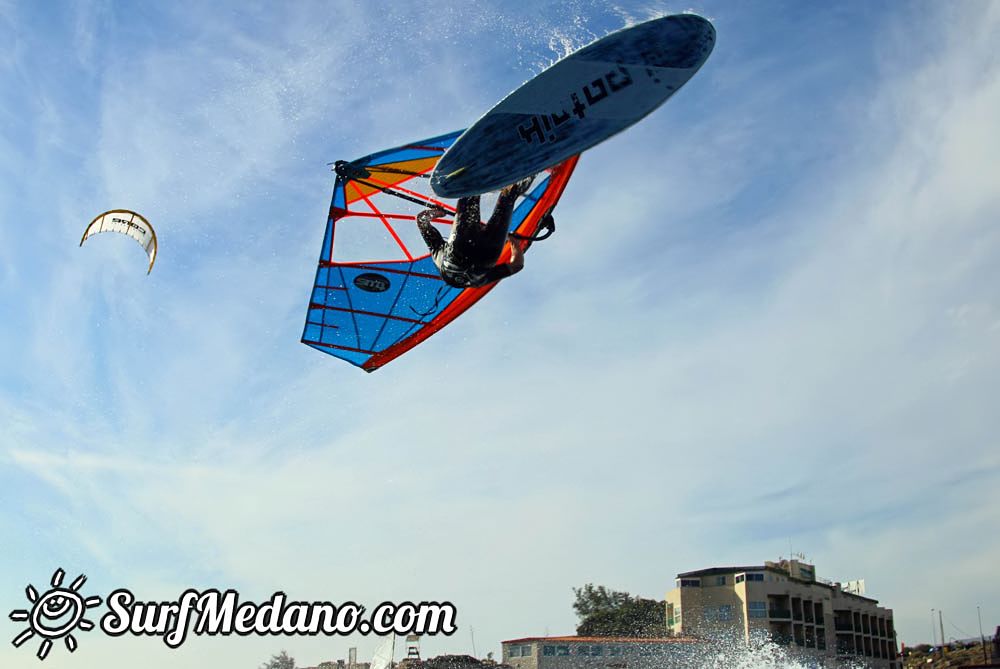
505 205
490 241
467 220
495 233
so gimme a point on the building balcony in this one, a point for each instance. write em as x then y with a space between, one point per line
783 614
843 626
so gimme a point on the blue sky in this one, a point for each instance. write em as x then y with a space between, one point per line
769 315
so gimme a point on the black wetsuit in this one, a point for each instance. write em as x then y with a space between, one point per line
469 258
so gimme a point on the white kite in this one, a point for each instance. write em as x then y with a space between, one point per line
127 223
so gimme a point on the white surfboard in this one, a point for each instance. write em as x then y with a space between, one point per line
575 104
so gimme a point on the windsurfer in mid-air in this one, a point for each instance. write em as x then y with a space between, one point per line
469 258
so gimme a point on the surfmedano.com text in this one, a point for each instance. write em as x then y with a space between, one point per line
215 613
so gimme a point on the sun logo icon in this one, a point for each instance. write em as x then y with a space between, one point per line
55 614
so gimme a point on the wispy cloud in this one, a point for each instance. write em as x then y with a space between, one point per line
765 298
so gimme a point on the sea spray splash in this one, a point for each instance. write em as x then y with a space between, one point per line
737 654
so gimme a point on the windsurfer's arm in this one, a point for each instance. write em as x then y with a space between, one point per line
431 236
515 265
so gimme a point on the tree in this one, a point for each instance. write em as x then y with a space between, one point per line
281 661
591 600
637 618
605 612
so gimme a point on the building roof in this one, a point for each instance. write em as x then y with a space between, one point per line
842 592
603 639
715 571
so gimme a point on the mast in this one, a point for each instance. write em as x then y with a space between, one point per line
982 639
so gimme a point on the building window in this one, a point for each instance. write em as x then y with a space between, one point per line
548 650
562 650
690 582
723 613
592 651
720 580
615 651
755 577
520 650
740 578
757 609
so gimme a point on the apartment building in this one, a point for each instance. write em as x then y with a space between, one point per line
581 652
786 603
